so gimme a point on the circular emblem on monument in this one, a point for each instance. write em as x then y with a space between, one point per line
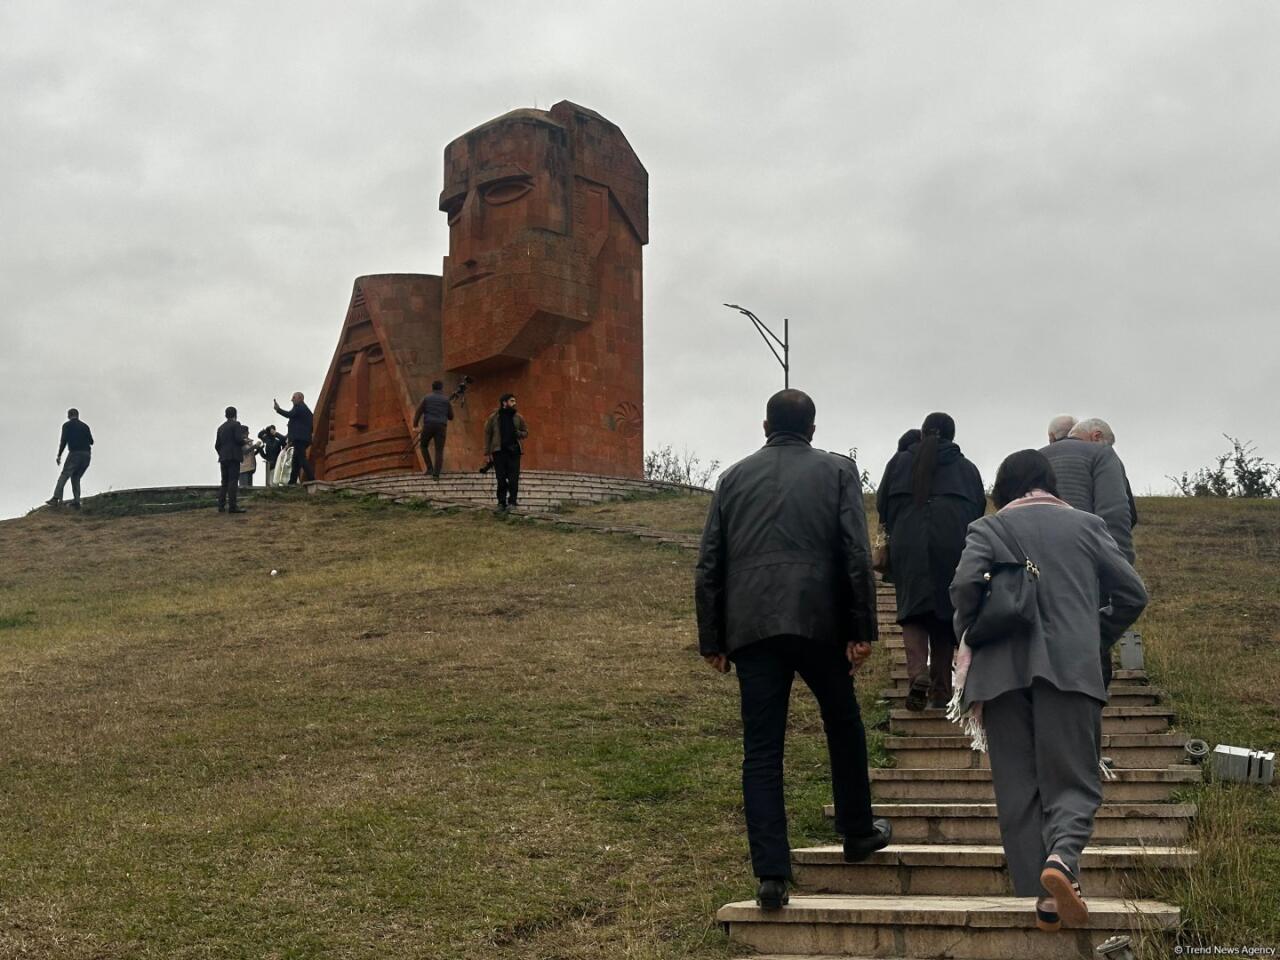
627 419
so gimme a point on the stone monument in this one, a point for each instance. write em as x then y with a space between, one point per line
540 296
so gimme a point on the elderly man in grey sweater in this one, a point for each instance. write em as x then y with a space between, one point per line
1092 478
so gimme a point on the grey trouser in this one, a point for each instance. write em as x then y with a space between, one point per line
73 469
1044 747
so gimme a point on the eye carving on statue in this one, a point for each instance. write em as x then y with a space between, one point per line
506 191
454 209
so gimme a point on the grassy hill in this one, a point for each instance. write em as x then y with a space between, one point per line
454 736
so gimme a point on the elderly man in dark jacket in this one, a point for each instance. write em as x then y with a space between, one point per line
300 426
784 587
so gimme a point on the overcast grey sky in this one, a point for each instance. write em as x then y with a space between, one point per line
1005 210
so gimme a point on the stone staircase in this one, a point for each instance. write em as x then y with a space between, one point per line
541 491
940 890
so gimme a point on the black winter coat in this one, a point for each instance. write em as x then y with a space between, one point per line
925 542
785 552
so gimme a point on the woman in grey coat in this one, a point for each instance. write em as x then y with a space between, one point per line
1040 699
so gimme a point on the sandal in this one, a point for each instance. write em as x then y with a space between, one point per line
1063 886
918 693
1047 920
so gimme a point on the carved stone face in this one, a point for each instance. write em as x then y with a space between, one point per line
520 262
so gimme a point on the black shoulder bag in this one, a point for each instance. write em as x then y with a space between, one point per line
1009 609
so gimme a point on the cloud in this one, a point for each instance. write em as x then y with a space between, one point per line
1003 210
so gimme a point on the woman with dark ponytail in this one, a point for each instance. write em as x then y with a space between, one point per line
929 496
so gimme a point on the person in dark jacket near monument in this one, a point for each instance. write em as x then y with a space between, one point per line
300 418
1039 698
928 497
77 442
229 443
435 411
272 444
504 433
784 587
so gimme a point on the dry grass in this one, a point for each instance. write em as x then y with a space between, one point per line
1212 640
427 737
458 737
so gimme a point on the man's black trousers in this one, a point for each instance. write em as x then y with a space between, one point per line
230 478
506 466
766 669
300 463
434 432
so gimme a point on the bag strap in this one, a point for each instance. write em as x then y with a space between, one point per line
1005 536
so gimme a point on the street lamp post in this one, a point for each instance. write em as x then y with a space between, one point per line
770 338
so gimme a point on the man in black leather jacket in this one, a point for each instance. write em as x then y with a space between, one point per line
783 587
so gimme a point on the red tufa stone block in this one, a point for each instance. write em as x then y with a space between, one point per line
540 296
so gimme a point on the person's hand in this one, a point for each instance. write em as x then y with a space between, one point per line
717 662
58 460
857 654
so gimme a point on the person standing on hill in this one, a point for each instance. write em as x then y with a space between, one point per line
784 587
299 416
435 411
928 497
229 443
504 435
272 444
77 441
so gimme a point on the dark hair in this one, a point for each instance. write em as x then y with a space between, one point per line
936 428
790 411
908 439
230 412
504 398
73 414
437 384
1020 473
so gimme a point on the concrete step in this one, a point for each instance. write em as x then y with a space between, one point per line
939 870
1122 695
933 723
1139 677
958 786
930 927
1127 751
1167 824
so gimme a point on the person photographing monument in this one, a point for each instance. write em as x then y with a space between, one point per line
434 412
504 433
299 435
783 587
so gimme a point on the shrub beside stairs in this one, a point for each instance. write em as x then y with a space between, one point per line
940 890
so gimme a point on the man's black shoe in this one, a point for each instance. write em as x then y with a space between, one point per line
857 849
772 894
54 502
237 510
75 504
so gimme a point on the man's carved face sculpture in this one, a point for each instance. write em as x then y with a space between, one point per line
520 259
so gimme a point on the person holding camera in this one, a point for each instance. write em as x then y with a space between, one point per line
300 425
435 411
504 433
